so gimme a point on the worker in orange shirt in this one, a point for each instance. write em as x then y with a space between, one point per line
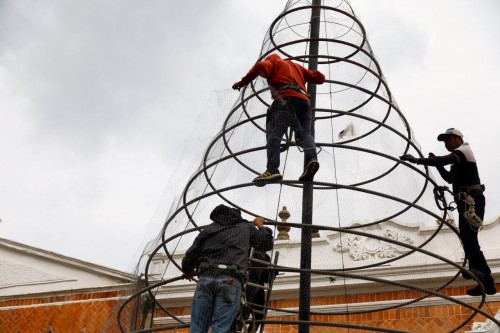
291 107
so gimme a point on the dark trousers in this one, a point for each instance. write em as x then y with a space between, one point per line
287 112
260 299
256 296
468 236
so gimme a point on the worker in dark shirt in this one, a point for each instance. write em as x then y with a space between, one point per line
219 256
468 193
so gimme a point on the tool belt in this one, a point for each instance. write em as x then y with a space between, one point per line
275 91
214 269
466 195
471 189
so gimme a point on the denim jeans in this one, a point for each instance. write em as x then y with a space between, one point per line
468 236
290 112
216 303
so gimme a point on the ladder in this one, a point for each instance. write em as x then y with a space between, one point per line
265 286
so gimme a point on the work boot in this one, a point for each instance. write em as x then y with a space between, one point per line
311 169
267 177
489 285
476 291
489 288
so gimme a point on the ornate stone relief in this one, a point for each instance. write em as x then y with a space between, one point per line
487 326
365 248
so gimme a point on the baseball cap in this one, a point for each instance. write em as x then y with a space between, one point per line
450 131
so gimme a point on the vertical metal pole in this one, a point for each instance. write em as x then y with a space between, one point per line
307 192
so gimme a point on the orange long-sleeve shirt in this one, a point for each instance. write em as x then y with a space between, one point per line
279 72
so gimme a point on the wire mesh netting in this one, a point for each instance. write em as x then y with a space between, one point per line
364 201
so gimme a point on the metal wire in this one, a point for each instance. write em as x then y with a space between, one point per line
355 90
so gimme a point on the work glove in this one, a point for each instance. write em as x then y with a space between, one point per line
410 158
187 277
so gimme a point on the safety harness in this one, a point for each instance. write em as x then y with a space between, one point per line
470 215
291 86
282 102
463 194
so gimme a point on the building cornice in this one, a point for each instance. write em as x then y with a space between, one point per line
59 258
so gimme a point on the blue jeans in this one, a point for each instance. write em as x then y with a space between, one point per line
216 302
290 112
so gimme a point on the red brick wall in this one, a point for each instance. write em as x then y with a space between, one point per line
96 312
88 312
440 318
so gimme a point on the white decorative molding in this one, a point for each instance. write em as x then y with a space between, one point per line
416 269
366 248
19 249
487 326
26 270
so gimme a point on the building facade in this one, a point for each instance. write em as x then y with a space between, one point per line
44 292
369 297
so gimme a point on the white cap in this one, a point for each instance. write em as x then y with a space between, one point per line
450 131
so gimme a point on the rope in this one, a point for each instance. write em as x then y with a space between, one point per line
439 192
336 179
244 305
475 222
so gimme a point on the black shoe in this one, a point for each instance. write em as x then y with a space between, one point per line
489 288
477 273
476 291
311 169
267 177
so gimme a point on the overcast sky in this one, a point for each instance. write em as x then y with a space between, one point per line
99 97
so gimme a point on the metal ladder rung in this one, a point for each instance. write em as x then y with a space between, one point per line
257 286
262 262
